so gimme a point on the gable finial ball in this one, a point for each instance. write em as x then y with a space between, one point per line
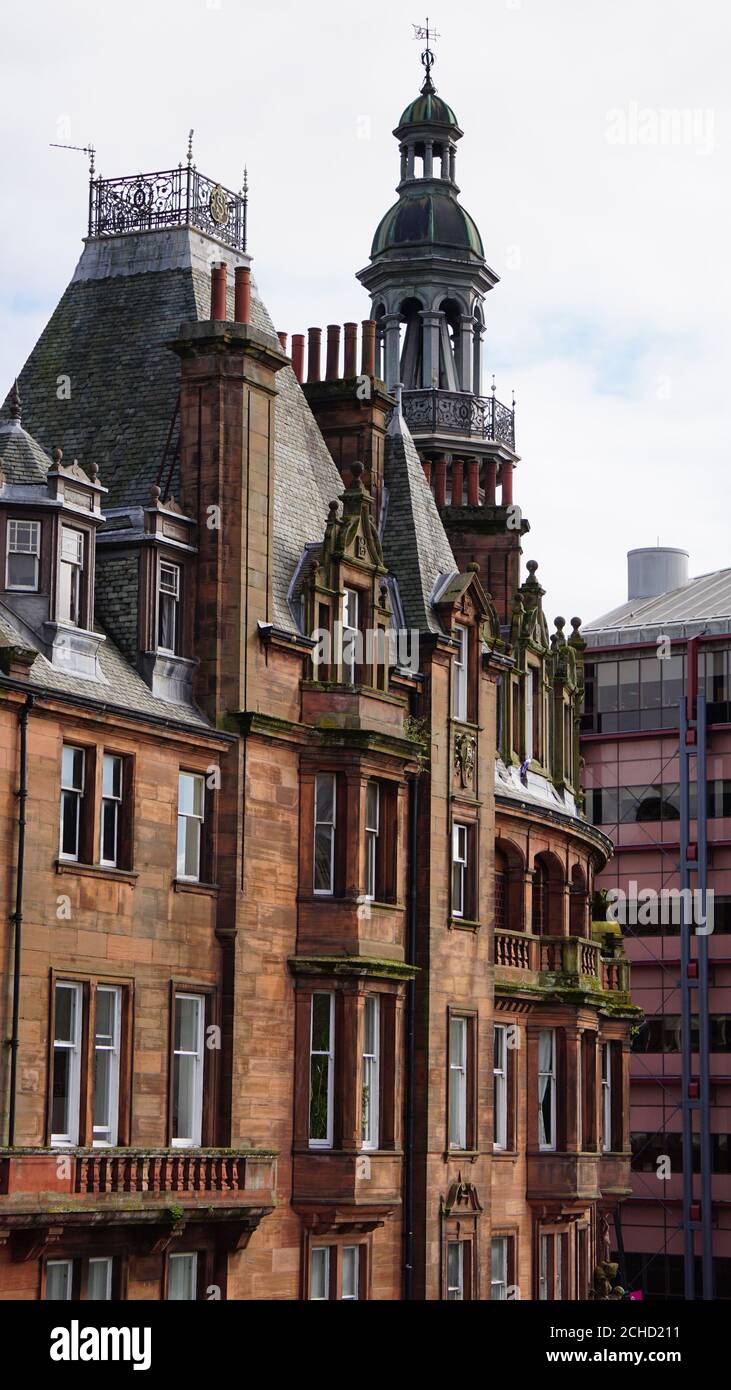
155 494
57 455
576 624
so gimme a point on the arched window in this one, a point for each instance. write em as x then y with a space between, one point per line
578 903
540 899
501 891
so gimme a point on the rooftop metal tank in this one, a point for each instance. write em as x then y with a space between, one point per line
655 570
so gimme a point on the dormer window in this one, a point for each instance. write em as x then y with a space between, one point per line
460 672
23 555
351 635
168 608
71 574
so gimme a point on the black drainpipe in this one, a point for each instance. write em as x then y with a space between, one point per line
410 1047
22 795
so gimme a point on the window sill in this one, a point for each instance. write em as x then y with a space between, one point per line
190 885
512 1154
470 1154
107 871
463 924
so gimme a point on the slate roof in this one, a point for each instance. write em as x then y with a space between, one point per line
415 545
22 459
109 335
121 686
701 604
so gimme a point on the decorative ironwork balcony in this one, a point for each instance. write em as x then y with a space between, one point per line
460 413
171 198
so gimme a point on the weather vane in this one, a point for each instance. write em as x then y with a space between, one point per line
82 149
423 32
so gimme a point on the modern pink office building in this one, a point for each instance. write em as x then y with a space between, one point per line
640 658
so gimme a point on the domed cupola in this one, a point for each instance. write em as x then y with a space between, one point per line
427 275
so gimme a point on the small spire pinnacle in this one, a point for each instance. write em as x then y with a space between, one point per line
423 32
191 133
15 405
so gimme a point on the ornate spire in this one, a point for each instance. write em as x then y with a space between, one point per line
15 405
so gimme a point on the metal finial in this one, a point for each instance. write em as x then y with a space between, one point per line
423 32
190 146
513 406
492 388
15 406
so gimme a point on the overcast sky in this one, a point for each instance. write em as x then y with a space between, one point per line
595 162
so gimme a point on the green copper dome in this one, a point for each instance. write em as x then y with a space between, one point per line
430 218
429 108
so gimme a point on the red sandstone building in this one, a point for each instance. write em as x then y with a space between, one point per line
631 747
301 990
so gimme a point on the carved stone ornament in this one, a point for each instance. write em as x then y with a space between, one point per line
464 758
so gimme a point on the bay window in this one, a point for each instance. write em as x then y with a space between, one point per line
351 636
458 1083
372 827
22 561
455 1271
460 842
66 1063
325 825
322 1069
338 1271
71 577
500 1086
547 1088
168 608
371 1063
59 1280
107 1032
499 1268
188 1061
99 1279
182 1272
460 674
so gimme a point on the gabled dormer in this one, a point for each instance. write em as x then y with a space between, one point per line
49 515
146 592
346 602
468 615
526 713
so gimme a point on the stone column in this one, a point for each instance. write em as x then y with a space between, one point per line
391 329
573 1088
404 161
466 343
428 159
431 319
445 161
479 333
410 162
506 482
452 159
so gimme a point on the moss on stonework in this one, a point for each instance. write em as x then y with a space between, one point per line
349 965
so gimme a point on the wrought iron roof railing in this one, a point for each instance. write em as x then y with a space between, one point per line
170 198
459 412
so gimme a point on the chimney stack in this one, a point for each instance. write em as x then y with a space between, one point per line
298 356
282 341
242 294
218 290
350 367
314 338
332 360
